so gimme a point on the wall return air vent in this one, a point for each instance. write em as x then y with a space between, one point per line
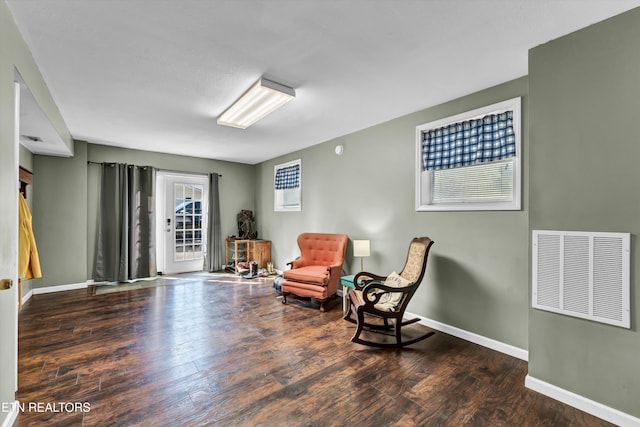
582 274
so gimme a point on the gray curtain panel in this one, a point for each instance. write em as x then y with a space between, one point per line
126 248
213 260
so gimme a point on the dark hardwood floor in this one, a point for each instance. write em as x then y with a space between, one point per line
200 352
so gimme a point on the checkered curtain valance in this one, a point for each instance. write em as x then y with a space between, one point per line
470 142
288 177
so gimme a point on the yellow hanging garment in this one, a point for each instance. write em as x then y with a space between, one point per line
28 261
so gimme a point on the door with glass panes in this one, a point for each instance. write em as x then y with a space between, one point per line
185 223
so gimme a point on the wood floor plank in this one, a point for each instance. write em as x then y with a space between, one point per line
213 350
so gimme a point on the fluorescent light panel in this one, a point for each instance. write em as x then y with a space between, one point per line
261 99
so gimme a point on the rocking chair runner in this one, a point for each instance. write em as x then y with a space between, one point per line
386 298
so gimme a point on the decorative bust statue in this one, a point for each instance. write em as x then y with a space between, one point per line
247 225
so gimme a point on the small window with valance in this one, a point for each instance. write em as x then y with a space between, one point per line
287 186
470 161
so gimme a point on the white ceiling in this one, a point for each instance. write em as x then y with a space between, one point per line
155 74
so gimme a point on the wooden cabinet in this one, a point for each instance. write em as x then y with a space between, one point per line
260 252
238 250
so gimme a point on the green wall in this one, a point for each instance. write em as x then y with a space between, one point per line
66 202
60 217
477 274
585 145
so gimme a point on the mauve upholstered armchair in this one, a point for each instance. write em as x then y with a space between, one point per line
316 273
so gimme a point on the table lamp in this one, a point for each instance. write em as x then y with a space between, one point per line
361 249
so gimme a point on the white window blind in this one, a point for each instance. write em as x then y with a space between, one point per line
288 198
486 182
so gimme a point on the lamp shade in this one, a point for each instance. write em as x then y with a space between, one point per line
361 248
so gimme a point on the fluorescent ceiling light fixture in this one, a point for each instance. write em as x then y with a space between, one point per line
261 99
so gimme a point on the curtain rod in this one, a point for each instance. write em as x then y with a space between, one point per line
89 162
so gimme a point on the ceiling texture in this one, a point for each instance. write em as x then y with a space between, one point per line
155 74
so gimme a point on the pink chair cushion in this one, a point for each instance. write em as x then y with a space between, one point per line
315 274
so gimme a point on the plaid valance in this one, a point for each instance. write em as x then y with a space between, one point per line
466 143
288 177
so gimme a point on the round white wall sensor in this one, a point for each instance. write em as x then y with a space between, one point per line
339 150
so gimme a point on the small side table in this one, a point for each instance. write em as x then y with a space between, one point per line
346 282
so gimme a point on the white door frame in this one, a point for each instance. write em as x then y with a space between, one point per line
9 253
165 235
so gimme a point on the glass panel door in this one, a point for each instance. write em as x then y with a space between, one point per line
188 200
185 223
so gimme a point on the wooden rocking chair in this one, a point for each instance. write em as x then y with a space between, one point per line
385 298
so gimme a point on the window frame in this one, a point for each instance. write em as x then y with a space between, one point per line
280 207
424 177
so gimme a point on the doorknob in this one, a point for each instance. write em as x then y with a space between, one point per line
5 284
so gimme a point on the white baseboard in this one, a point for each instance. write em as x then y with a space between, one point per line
27 296
589 406
49 289
13 414
60 288
509 349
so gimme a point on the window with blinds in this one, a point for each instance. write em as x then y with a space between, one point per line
470 161
287 185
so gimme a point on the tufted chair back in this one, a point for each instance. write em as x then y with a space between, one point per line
321 249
